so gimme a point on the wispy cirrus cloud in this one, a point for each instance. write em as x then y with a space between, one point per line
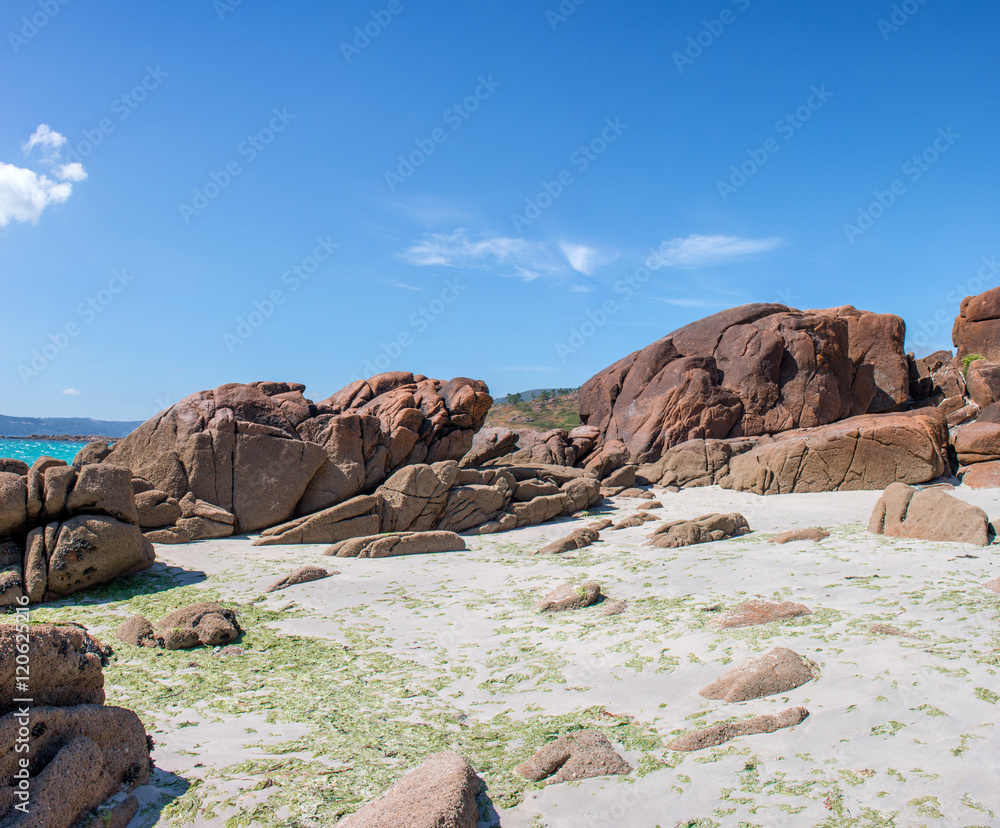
702 251
502 255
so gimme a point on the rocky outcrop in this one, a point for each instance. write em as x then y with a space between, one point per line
65 666
440 793
777 671
977 442
752 370
397 543
982 475
84 757
694 463
860 453
489 444
761 611
937 378
571 596
983 381
705 529
264 453
67 529
723 732
977 327
582 754
929 514
445 497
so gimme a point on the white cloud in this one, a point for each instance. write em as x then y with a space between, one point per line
49 140
702 251
71 392
505 255
401 285
579 256
71 172
25 193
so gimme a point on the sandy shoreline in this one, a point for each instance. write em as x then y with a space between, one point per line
343 684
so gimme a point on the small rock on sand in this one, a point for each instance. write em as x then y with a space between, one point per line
634 520
571 596
580 755
761 611
577 539
302 575
704 529
993 585
718 734
777 671
816 533
615 608
650 504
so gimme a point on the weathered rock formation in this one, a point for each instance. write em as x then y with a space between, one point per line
397 543
752 370
977 327
263 453
721 733
814 534
577 539
860 453
440 793
582 754
705 529
201 624
65 529
929 514
777 671
85 759
445 497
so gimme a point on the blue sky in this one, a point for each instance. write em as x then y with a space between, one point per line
521 193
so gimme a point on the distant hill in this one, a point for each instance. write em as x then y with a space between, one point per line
64 426
561 409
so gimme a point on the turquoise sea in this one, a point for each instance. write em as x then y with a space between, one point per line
30 450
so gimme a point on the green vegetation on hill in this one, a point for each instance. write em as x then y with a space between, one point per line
541 409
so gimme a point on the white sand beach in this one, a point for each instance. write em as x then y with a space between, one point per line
341 685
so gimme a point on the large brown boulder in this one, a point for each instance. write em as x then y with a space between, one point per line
752 370
80 758
704 529
582 754
88 551
977 327
929 514
861 453
399 543
204 623
13 504
977 442
65 665
265 453
440 793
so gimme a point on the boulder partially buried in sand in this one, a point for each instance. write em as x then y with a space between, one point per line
440 793
722 732
571 596
777 671
761 611
204 623
929 514
813 534
704 529
398 543
302 575
577 539
580 755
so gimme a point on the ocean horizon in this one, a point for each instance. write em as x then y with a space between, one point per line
30 450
